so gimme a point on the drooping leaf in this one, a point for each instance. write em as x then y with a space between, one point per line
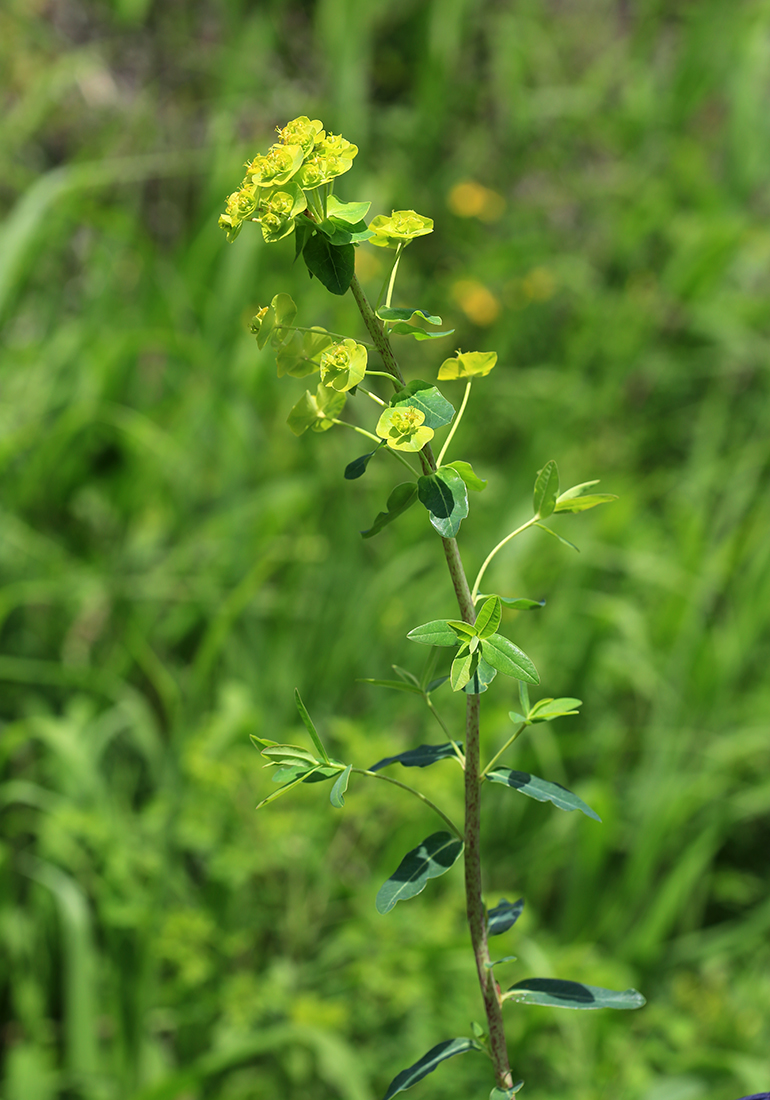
557 993
316 411
582 504
465 470
389 313
481 679
351 212
396 685
563 541
445 495
507 658
504 916
421 757
546 490
308 721
337 796
437 632
401 328
434 857
357 468
519 604
489 616
542 790
428 399
401 498
333 265
545 710
435 1056
463 667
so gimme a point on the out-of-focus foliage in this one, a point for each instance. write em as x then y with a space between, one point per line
174 561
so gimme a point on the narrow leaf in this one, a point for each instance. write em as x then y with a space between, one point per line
507 658
282 790
396 685
499 962
303 713
546 490
406 675
435 1056
545 710
389 313
577 490
433 684
357 468
332 265
289 754
402 497
465 470
542 790
563 541
489 616
481 679
434 857
582 504
463 667
428 399
524 697
421 757
437 632
558 993
445 495
503 916
337 796
517 603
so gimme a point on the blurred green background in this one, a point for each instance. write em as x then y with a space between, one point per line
174 562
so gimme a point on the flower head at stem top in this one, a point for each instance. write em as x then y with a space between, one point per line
403 428
400 228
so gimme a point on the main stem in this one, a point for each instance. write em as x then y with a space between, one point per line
473 898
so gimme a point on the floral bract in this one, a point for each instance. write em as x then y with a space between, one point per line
343 365
404 429
331 158
401 227
301 131
278 165
467 364
278 209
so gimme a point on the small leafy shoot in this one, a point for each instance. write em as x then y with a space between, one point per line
337 796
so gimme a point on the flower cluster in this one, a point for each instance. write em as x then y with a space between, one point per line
273 191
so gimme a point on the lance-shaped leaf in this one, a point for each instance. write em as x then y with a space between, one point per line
337 796
389 313
396 685
507 658
302 778
463 668
436 632
428 399
309 726
517 603
357 468
401 328
434 857
481 679
503 916
435 1056
401 498
489 616
333 265
445 495
559 538
557 993
465 470
546 490
289 755
350 212
421 757
575 500
545 710
542 790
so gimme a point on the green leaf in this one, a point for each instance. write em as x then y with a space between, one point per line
402 329
545 710
499 962
333 265
578 490
507 658
434 684
505 1094
524 696
489 616
582 504
337 796
464 631
303 228
465 470
389 313
542 790
351 212
315 411
283 790
396 685
463 667
563 541
314 735
519 604
481 679
504 916
421 757
558 993
434 857
445 496
261 742
437 632
435 1056
402 497
428 399
357 468
301 355
467 364
546 490
289 754
339 232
